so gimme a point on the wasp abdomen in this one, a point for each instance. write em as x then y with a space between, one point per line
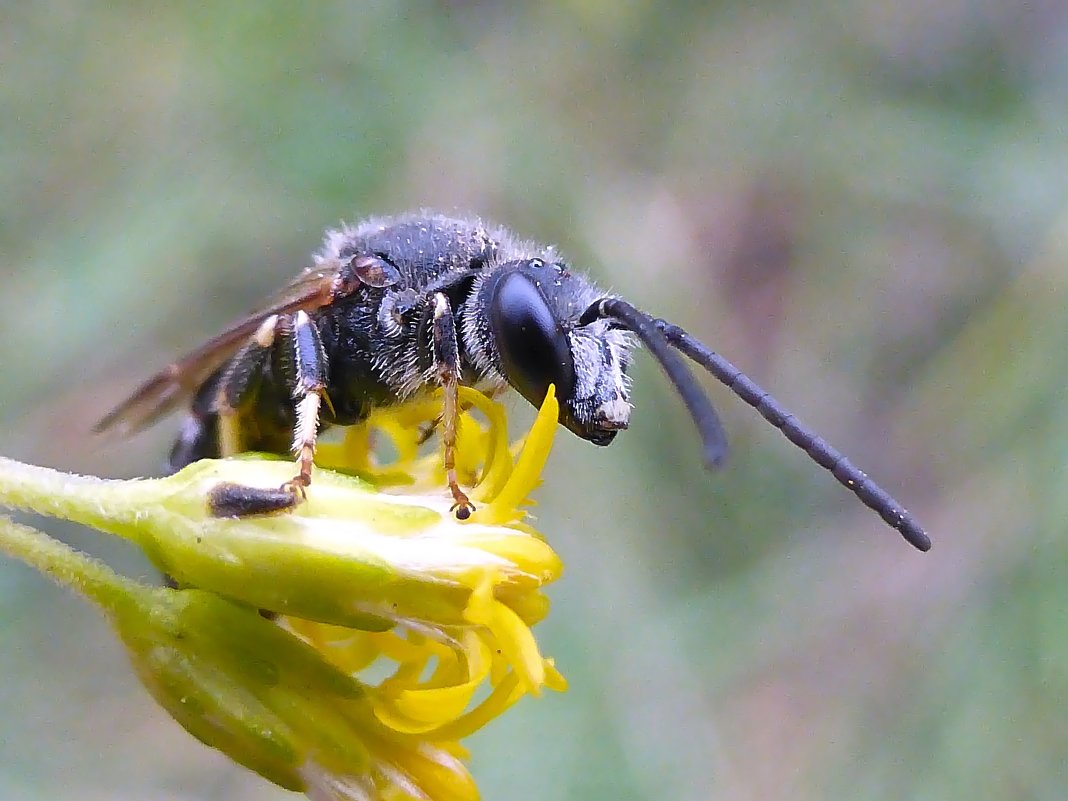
197 439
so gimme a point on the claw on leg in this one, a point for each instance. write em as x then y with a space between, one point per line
297 487
463 506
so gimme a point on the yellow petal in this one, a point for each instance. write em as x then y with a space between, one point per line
526 475
514 638
506 692
419 711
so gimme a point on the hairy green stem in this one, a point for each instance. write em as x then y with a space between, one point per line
84 499
68 567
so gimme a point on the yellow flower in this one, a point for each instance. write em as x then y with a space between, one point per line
372 568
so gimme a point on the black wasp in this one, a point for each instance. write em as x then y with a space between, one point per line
393 307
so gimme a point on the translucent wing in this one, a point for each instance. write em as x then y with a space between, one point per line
170 387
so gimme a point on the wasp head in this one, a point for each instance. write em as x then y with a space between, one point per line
523 323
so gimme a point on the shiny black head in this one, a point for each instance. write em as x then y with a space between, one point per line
528 313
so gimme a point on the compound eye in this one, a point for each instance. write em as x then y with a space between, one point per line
532 344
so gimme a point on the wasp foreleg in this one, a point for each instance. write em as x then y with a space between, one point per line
447 371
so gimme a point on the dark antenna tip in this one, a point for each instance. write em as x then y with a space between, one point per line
714 457
916 537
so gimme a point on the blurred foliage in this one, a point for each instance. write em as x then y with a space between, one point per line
862 204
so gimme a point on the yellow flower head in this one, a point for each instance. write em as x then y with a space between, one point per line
371 569
496 561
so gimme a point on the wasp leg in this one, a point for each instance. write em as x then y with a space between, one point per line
429 429
305 373
239 384
447 371
198 438
236 387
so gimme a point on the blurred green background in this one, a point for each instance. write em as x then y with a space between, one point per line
862 204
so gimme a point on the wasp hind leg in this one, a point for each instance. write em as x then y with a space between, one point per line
305 375
236 387
447 370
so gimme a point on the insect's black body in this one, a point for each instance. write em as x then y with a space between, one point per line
395 307
378 341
